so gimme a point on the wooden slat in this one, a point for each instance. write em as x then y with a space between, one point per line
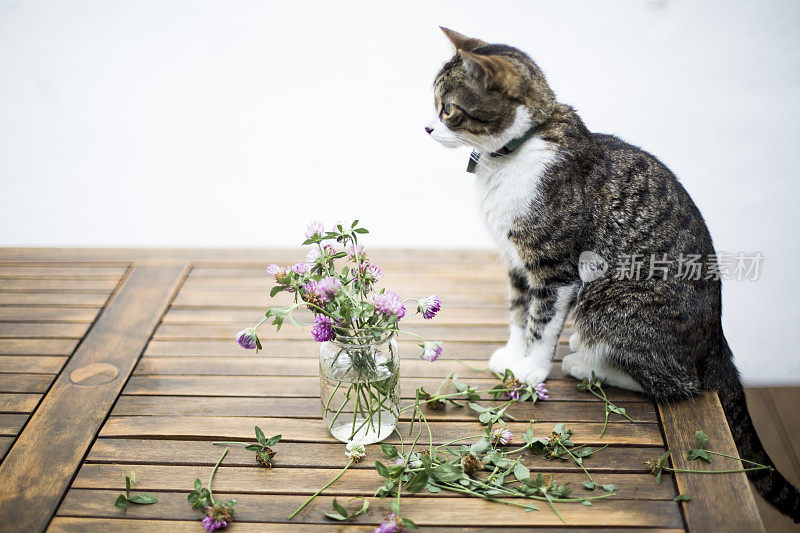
10 424
86 299
398 282
133 451
260 300
38 468
48 314
299 387
18 402
38 330
10 270
301 430
25 382
69 524
300 366
309 348
464 316
718 504
5 444
33 364
228 331
424 511
361 482
103 285
37 346
557 411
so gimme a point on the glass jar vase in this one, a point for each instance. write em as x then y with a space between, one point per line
360 387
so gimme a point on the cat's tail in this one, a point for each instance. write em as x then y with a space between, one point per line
721 375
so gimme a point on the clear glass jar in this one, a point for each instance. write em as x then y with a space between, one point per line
360 387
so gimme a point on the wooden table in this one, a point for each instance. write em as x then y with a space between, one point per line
120 360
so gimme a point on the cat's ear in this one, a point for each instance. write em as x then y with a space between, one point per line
461 42
495 72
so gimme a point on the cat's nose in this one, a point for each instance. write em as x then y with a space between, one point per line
428 130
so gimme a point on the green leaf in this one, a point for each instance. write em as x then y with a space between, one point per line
121 503
361 230
485 417
418 482
253 447
339 509
272 441
701 438
475 407
394 506
480 447
338 517
610 487
275 290
381 468
446 473
127 486
682 498
143 498
528 436
390 451
260 436
409 523
590 485
197 484
560 429
699 454
521 471
587 502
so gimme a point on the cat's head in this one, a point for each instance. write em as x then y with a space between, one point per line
486 95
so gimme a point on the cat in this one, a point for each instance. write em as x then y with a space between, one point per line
551 190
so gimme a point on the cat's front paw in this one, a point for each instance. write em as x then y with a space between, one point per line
530 370
576 365
503 358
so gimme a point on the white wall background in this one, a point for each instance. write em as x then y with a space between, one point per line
188 123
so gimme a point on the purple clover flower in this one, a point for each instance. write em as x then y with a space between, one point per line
431 351
391 524
328 288
429 306
322 330
301 268
275 270
503 435
212 524
247 339
370 269
388 304
362 252
541 392
315 229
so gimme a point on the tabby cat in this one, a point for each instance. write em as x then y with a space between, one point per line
551 190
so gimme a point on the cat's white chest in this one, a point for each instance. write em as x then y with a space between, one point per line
507 187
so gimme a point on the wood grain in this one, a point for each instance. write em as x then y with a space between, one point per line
721 502
40 465
138 451
424 511
543 411
20 313
18 403
301 430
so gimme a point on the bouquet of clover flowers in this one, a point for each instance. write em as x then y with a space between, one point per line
356 322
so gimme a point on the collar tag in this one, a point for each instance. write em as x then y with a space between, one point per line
473 162
506 149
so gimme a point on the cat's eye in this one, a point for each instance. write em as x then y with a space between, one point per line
448 109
